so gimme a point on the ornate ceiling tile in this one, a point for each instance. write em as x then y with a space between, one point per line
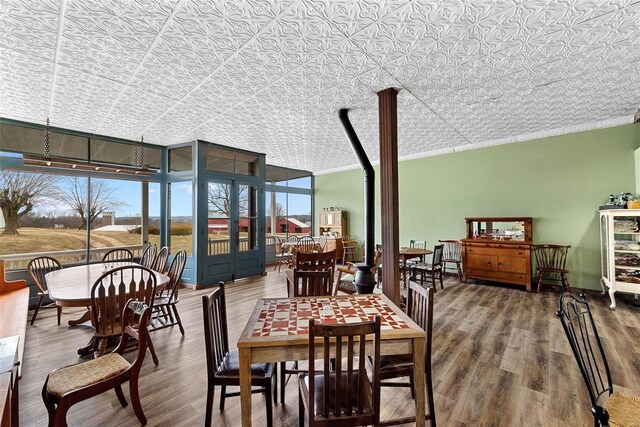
270 75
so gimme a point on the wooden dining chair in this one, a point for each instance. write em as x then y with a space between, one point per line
433 270
160 261
608 408
348 248
118 255
108 297
306 244
222 363
452 254
322 242
551 260
165 310
148 256
37 269
420 309
315 261
304 283
342 395
67 386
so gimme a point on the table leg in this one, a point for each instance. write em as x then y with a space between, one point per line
86 316
245 385
419 380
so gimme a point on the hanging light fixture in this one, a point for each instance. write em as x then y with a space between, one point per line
57 162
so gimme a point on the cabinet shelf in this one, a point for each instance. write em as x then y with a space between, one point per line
629 233
627 267
627 251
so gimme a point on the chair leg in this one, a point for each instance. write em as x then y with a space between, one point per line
274 384
135 400
283 381
269 404
565 282
413 387
51 407
175 311
223 396
433 281
211 391
300 410
440 277
59 313
459 270
539 282
152 349
120 394
60 419
432 408
35 312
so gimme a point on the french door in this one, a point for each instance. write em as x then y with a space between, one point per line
231 238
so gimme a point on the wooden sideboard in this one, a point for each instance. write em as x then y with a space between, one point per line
495 254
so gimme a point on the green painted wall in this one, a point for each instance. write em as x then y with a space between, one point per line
559 181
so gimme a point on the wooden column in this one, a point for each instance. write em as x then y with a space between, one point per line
388 125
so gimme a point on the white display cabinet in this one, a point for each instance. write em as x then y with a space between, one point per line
620 251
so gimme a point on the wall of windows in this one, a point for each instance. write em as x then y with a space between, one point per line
76 198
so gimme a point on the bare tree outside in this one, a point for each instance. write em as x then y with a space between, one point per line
279 214
19 193
74 193
219 196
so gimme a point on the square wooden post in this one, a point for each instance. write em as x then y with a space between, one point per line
388 125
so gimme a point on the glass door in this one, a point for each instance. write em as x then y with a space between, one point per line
232 231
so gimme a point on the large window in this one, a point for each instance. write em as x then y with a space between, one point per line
71 195
181 217
39 215
116 217
288 202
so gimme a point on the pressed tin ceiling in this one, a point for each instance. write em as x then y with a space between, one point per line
269 76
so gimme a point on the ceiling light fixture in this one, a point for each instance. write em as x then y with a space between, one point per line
61 163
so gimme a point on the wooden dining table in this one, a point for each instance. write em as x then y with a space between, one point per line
408 253
278 330
71 287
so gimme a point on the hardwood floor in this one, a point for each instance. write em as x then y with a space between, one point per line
500 358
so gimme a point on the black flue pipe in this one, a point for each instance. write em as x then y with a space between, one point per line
369 185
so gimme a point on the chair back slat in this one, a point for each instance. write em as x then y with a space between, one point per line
551 257
437 256
579 326
148 256
215 328
118 255
113 289
420 309
343 396
452 250
39 267
306 244
160 261
176 268
418 244
316 261
311 283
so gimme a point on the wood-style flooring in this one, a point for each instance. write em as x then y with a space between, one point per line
500 358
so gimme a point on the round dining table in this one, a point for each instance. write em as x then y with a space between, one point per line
71 286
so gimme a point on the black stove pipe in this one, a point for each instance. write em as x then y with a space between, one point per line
369 185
